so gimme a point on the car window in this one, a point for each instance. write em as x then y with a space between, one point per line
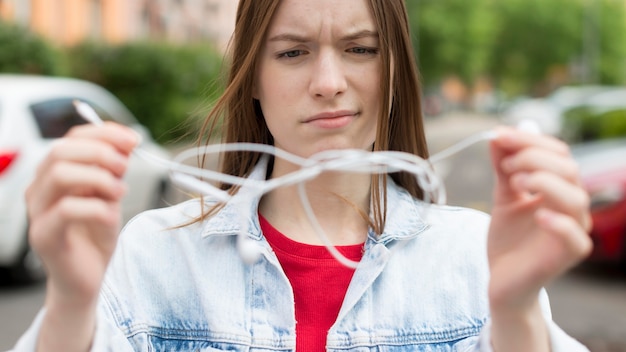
55 117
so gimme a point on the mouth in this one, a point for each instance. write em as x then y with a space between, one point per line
331 115
331 119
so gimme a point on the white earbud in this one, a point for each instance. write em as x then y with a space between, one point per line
248 249
87 112
530 126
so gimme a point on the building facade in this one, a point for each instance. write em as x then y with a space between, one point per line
69 22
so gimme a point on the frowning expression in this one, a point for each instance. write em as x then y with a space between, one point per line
318 78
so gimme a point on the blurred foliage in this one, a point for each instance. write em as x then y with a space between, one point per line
24 52
584 124
517 43
612 49
452 37
168 88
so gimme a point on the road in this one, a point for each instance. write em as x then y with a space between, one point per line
589 303
18 306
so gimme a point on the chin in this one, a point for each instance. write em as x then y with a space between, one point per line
340 146
306 147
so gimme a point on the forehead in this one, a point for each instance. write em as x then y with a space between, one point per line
321 16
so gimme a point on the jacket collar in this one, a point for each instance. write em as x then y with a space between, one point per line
404 213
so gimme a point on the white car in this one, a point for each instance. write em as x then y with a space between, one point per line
613 99
34 111
548 111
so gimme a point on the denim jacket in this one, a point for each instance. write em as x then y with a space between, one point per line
420 286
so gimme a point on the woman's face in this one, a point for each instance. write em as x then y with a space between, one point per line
318 78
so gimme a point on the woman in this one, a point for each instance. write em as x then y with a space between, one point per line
308 76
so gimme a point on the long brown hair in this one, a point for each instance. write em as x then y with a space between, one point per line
400 124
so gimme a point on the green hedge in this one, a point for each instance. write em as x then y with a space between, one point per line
168 88
24 52
582 124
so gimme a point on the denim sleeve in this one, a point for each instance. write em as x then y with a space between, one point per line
560 341
107 337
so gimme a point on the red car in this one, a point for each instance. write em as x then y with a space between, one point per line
603 169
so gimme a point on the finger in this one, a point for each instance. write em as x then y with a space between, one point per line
560 245
75 241
86 152
503 190
574 241
123 138
535 159
512 140
100 219
70 179
508 143
556 194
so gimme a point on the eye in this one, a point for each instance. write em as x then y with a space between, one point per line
291 54
363 50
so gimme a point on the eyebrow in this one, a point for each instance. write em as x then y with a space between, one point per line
289 37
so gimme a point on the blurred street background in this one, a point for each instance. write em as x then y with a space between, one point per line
561 63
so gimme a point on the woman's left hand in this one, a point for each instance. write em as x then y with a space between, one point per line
540 219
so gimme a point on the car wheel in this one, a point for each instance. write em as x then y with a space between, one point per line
29 268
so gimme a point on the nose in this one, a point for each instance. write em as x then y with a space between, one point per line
328 78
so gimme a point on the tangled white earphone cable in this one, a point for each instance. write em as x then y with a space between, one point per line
194 179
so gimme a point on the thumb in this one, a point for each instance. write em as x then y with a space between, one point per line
502 189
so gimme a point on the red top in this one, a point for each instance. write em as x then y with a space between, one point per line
319 284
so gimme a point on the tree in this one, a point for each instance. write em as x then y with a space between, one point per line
167 87
25 52
612 45
452 37
534 37
525 46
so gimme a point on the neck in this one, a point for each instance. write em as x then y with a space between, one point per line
340 202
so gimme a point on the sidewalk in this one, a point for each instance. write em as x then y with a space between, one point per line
445 130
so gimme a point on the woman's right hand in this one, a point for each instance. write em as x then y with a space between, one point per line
74 213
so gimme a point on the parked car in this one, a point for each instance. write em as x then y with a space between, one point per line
607 100
548 111
603 169
602 115
34 112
